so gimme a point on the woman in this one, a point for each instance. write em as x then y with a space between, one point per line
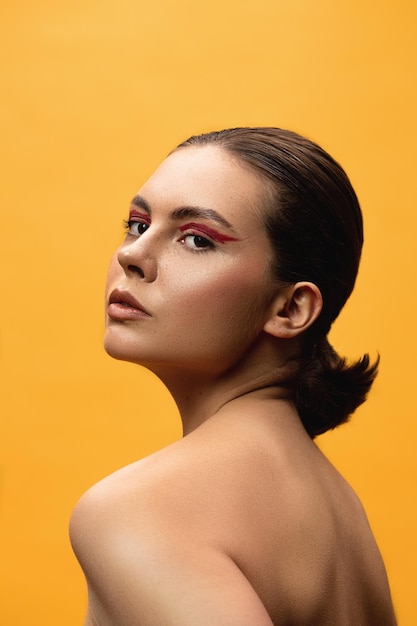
240 251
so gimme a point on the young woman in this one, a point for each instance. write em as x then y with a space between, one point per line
240 251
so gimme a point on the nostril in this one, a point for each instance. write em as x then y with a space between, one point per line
137 270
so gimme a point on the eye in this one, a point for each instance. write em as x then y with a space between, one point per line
136 227
197 242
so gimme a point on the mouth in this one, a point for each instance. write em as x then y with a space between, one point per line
123 306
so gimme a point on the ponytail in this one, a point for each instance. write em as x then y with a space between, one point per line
328 389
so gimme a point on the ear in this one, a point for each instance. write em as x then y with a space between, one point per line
293 310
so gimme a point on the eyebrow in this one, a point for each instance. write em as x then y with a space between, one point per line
140 202
185 212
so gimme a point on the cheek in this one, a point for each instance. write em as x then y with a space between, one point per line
225 300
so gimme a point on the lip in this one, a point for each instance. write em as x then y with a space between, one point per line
123 306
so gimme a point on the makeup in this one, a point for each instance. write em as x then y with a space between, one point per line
203 229
123 307
144 217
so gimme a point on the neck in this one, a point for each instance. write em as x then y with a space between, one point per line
200 396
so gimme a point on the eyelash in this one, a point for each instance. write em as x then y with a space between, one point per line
208 244
128 224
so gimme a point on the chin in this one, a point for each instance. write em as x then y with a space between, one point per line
123 348
119 348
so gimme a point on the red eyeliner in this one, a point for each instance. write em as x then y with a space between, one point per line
141 216
207 230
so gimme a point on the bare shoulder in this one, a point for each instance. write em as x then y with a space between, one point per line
150 541
187 489
254 526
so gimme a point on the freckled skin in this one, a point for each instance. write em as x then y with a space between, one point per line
243 521
208 302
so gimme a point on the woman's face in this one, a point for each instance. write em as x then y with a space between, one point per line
191 284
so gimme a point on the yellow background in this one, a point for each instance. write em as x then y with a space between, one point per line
94 94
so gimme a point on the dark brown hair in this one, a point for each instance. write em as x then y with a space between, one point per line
314 222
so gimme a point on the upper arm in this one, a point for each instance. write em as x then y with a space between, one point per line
155 581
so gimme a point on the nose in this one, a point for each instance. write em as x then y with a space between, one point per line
136 258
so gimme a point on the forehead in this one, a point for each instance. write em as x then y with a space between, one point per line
205 176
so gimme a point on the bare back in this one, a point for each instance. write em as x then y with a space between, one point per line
239 523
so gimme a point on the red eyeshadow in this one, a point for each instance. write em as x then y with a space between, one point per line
207 230
141 216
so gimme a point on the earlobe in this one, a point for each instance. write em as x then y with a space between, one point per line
294 309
